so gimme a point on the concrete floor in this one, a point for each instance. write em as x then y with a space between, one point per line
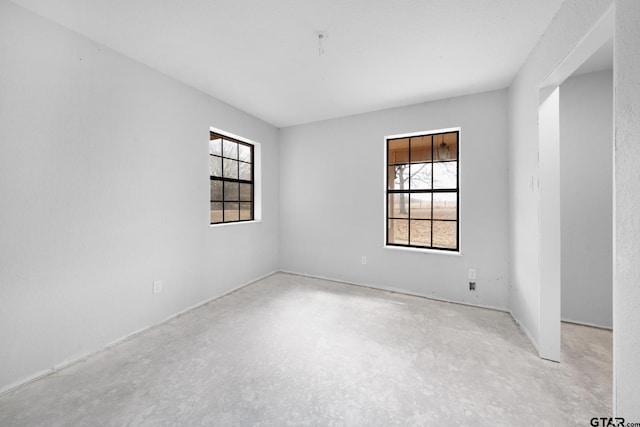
291 350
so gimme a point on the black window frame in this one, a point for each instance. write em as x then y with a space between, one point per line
223 200
432 191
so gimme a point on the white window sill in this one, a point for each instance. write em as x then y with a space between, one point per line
229 224
423 250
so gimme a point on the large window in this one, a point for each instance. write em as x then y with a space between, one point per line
231 170
422 191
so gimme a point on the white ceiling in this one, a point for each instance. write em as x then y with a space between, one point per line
262 56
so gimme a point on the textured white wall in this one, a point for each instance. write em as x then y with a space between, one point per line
574 19
626 305
586 181
104 188
332 200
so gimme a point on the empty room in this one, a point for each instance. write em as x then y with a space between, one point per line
320 213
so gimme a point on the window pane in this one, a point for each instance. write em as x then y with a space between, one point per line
398 205
420 233
445 175
231 212
245 171
215 147
216 212
421 149
444 234
245 211
445 206
446 146
398 231
398 151
230 168
231 191
420 206
246 192
215 166
420 176
230 149
398 177
244 153
216 190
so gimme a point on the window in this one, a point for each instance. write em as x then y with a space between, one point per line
422 191
231 170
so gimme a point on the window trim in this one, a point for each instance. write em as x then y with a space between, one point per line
256 167
385 195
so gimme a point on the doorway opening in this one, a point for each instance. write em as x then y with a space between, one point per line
575 189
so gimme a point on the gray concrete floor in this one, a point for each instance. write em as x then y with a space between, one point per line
296 351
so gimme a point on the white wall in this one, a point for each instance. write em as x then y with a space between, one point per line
104 188
586 185
332 200
549 222
626 288
572 22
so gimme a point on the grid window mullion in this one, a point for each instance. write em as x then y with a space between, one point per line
232 204
408 195
431 216
404 152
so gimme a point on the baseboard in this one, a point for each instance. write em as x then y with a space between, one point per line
29 379
526 332
395 290
207 301
591 325
84 356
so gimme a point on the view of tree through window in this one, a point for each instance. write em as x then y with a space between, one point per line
232 183
422 191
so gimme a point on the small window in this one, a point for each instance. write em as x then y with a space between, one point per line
422 191
231 171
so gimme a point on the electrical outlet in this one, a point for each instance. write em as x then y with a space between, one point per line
472 274
157 286
472 286
364 260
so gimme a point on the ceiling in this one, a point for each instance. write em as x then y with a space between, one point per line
263 57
